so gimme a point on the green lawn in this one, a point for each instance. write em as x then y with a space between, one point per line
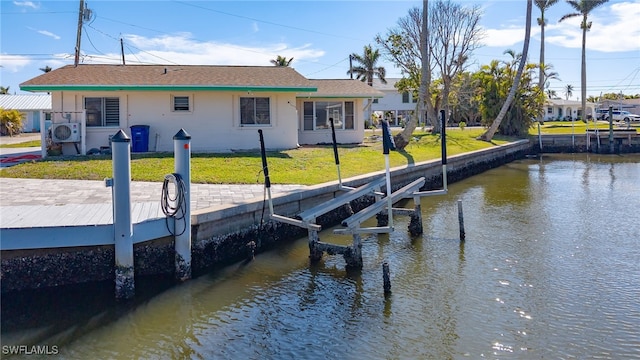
34 143
577 127
306 165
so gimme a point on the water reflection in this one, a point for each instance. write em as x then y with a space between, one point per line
549 269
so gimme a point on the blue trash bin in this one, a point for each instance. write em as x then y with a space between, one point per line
140 138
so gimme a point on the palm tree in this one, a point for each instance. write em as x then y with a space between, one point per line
488 135
281 61
551 93
367 69
568 91
547 75
542 5
4 90
46 69
583 8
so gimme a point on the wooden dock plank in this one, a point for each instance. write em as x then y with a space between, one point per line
31 216
106 216
136 212
15 216
94 213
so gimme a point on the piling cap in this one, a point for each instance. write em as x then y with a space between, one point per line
120 136
182 135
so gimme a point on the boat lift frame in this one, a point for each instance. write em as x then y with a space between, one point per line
353 254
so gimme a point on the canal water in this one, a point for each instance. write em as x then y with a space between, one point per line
550 269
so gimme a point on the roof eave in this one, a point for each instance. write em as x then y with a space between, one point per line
49 88
338 96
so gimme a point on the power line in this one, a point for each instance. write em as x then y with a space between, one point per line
328 67
166 33
266 22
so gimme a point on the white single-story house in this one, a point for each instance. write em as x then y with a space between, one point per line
559 109
32 107
221 107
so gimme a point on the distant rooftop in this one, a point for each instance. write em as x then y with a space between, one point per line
25 102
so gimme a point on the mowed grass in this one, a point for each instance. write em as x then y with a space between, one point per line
305 165
33 143
576 127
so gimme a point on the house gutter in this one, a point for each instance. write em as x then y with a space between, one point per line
317 96
48 88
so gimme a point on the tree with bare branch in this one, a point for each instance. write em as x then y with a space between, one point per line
451 32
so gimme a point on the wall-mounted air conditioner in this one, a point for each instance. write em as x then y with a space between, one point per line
65 132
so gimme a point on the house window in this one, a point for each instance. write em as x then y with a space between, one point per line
318 114
375 101
405 97
349 115
102 111
255 111
181 103
549 110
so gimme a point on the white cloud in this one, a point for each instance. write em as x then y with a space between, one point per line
49 34
255 27
614 29
618 30
182 49
30 4
505 37
45 33
14 63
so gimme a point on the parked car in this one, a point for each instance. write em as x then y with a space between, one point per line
601 114
623 116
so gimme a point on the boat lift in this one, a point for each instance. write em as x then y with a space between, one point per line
353 254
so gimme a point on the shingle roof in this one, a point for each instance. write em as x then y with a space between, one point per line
563 102
389 86
87 77
344 88
25 102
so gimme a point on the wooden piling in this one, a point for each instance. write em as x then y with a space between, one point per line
415 224
315 254
251 250
122 225
461 221
386 278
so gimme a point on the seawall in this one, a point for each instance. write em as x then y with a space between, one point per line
221 234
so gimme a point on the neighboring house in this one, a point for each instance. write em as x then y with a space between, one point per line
395 106
343 100
559 109
33 108
221 107
630 105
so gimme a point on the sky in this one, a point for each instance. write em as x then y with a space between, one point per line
319 35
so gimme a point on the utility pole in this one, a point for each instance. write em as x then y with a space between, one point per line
122 51
79 34
351 66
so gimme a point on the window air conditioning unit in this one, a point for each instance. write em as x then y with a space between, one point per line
66 132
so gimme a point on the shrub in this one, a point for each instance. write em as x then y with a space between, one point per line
10 122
